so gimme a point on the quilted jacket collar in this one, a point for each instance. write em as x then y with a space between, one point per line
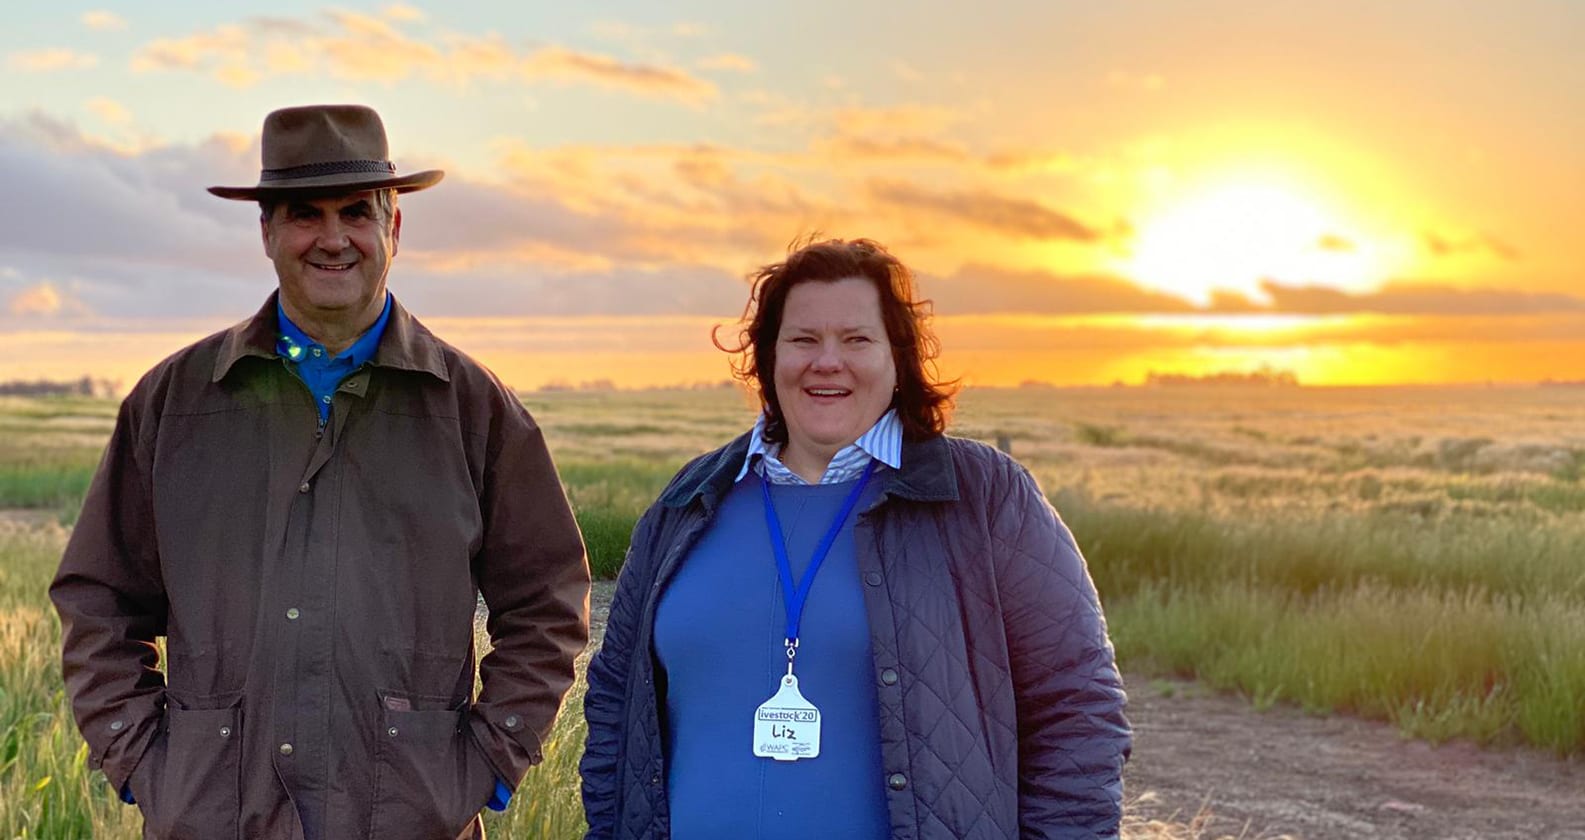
926 475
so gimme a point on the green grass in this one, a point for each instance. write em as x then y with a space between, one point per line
1132 547
45 784
51 486
1440 665
1401 566
608 497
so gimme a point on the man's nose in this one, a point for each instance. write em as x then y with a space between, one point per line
332 234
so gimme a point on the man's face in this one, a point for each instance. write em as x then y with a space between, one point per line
331 256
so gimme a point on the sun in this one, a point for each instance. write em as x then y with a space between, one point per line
1232 234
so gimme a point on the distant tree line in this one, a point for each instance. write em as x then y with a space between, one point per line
84 387
1265 377
562 385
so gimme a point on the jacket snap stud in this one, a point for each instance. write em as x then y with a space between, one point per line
897 781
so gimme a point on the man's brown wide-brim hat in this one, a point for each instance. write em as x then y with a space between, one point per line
327 149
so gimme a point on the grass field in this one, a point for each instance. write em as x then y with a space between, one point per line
1413 555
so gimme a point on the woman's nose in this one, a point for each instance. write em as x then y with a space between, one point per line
829 357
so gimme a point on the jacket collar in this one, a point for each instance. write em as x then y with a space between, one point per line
406 345
926 475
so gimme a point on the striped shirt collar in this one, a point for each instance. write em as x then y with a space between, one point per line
883 442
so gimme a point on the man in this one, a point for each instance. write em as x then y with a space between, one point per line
307 507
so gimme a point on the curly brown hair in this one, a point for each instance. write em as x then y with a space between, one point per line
923 400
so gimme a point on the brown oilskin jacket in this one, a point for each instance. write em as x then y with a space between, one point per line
317 590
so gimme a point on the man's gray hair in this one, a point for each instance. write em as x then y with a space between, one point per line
384 201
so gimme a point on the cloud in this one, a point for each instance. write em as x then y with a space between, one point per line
50 59
980 289
87 212
1335 244
361 47
728 61
134 236
891 120
898 150
42 299
109 110
405 13
1416 299
101 19
1015 217
565 64
1034 161
1480 244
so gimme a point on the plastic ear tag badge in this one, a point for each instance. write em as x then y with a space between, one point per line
787 727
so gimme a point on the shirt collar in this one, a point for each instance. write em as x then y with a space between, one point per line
406 345
883 442
295 345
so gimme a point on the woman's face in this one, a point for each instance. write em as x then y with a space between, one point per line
834 370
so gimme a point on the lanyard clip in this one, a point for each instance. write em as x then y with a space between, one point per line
792 651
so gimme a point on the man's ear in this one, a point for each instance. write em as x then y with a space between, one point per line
396 231
264 236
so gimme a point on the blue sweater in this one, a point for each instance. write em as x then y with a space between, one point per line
719 628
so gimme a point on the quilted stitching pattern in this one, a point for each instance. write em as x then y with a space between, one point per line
1006 716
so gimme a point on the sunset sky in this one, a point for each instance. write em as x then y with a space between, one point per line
1355 191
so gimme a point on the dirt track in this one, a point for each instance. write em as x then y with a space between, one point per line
1275 773
1283 772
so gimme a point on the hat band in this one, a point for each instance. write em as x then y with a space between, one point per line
340 167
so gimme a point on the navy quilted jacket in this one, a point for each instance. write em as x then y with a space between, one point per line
1001 711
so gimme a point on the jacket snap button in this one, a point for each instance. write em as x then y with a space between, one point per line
117 725
889 676
286 749
225 732
897 781
391 732
302 488
872 578
292 614
511 721
655 779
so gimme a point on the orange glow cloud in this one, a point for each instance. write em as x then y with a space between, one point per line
363 47
50 60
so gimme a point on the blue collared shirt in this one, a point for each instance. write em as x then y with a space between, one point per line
312 362
883 442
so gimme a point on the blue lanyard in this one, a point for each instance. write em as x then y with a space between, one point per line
794 598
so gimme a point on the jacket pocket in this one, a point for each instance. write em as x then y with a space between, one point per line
191 788
430 781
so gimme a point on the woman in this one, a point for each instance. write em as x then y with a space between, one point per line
844 623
